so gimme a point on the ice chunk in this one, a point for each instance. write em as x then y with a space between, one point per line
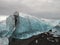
6 29
7 26
28 26
10 24
4 41
56 31
3 29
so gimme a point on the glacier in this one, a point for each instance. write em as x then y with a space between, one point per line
27 26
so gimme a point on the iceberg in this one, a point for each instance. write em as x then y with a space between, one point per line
3 31
10 25
27 26
4 41
7 26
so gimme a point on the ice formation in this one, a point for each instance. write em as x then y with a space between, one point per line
3 31
27 26
4 41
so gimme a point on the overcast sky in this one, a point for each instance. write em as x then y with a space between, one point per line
39 8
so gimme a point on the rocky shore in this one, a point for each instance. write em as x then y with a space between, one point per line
41 39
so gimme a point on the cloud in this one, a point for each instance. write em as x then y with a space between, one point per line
34 7
43 5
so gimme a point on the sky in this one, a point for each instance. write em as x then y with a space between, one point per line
39 8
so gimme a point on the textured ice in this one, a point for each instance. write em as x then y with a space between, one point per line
10 24
27 27
4 41
6 26
6 29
